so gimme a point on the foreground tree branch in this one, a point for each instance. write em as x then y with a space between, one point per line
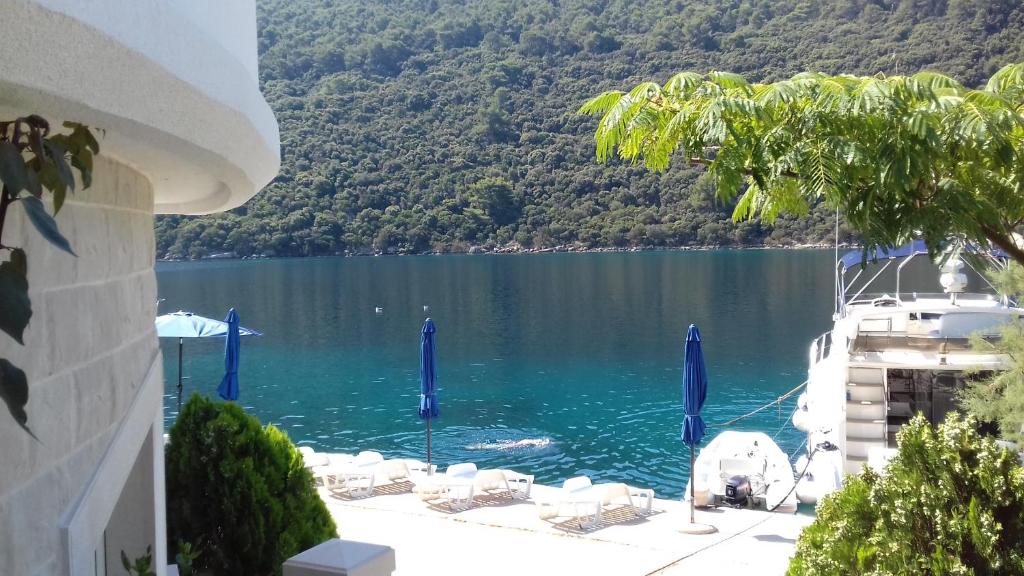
1005 242
901 156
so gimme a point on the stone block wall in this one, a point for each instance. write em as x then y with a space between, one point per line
88 347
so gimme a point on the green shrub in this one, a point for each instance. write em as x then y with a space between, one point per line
241 489
950 502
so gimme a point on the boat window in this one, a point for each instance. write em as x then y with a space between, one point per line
932 393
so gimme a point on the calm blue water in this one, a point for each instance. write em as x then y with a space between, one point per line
581 350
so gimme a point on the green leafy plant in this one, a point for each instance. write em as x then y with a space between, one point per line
900 156
950 502
999 398
241 489
186 558
143 565
33 161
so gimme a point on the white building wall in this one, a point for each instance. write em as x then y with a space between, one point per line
88 348
133 527
173 85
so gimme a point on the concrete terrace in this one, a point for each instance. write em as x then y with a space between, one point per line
500 536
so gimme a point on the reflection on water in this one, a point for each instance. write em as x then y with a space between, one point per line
555 365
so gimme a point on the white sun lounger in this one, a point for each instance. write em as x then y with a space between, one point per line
491 482
519 484
453 488
391 470
586 500
345 472
418 467
516 485
356 477
360 476
642 496
321 464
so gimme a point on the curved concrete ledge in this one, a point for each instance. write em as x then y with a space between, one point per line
176 104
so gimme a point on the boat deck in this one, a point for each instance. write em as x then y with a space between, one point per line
500 536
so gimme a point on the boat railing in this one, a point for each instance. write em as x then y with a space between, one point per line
844 286
880 342
820 347
883 300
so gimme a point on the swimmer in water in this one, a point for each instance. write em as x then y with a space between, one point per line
512 444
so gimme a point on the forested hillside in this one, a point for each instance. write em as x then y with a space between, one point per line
417 125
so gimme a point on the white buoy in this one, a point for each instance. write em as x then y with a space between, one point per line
426 308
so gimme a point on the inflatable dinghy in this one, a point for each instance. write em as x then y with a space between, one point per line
744 469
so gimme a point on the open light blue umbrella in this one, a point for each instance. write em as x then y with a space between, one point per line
228 388
183 325
428 378
695 390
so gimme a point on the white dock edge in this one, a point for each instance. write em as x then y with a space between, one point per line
343 558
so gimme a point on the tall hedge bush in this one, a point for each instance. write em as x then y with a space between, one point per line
240 490
950 502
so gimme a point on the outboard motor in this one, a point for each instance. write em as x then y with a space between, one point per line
737 491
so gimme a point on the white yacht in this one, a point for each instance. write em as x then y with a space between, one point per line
889 356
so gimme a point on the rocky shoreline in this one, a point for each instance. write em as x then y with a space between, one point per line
514 249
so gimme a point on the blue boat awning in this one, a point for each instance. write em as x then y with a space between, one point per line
856 257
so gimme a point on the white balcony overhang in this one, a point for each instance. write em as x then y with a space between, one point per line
173 87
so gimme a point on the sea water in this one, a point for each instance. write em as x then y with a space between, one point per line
549 364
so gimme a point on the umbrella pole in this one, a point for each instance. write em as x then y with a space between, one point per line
691 484
181 345
428 442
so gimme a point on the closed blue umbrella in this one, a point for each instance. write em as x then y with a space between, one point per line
428 378
228 388
695 389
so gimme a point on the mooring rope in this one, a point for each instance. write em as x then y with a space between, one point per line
782 428
799 448
778 401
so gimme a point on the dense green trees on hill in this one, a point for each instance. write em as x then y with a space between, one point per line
416 125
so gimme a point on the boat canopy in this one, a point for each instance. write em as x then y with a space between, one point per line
855 257
907 252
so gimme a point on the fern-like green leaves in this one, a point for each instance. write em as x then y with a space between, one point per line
900 155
